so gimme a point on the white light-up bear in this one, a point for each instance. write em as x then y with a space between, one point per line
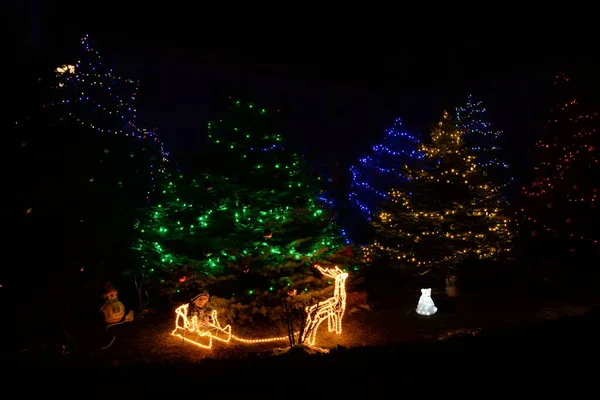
426 306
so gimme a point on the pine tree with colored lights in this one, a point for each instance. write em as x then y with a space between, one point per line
483 142
562 200
248 229
85 166
446 212
331 194
383 169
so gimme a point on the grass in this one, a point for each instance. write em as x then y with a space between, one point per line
391 321
388 328
543 355
499 338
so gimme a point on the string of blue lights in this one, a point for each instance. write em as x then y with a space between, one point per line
324 198
375 173
105 96
484 142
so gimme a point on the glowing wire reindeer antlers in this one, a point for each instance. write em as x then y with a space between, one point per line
330 272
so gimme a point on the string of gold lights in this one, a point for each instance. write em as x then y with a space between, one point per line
472 224
202 333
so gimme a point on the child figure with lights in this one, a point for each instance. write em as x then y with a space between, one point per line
197 309
426 306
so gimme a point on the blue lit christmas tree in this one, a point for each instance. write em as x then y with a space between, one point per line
383 168
329 197
483 141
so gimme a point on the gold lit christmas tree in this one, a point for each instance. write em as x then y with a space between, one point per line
446 213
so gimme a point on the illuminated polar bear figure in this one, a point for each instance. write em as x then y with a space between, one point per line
426 306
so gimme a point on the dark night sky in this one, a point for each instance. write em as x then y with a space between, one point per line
339 90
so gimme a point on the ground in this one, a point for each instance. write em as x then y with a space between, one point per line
384 320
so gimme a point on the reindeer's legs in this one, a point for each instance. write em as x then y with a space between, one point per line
312 339
307 327
338 325
330 322
333 322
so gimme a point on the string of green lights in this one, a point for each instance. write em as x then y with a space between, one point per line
249 227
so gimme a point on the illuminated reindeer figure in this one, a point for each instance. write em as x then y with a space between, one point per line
331 309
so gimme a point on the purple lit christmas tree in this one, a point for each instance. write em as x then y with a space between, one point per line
86 165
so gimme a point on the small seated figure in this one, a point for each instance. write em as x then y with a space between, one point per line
197 309
113 309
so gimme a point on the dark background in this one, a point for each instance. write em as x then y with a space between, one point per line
339 86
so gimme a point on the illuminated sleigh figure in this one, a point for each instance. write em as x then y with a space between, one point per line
331 309
202 333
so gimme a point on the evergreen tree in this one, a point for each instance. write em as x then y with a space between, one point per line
248 229
85 166
330 195
562 199
484 142
445 213
383 169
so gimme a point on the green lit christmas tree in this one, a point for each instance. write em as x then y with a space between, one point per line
248 229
